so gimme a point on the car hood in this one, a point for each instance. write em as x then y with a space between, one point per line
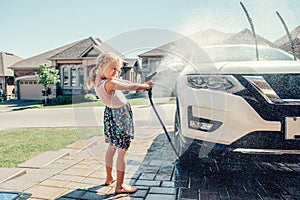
258 67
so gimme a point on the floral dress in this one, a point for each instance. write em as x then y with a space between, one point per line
118 126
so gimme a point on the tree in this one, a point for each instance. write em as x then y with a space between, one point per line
48 76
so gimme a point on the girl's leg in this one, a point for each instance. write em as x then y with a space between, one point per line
109 163
121 166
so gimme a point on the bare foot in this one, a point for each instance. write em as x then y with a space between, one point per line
125 189
109 181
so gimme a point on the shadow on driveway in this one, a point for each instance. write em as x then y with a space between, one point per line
235 176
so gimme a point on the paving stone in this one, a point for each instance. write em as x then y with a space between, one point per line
58 165
101 189
38 175
98 174
44 159
162 177
76 194
74 185
10 173
147 183
140 193
95 196
185 193
94 181
162 190
54 183
168 184
83 144
77 172
160 196
18 185
181 183
146 176
45 192
63 198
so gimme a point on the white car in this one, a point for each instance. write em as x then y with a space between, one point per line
236 101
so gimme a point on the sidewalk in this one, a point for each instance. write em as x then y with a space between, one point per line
78 172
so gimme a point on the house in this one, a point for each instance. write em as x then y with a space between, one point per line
7 75
284 42
74 62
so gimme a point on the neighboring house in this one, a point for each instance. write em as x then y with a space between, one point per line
178 50
74 62
6 74
284 42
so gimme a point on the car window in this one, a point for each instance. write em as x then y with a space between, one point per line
245 53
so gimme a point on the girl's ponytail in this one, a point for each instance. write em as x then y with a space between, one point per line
92 77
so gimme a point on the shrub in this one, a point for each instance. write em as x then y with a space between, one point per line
62 99
90 97
137 94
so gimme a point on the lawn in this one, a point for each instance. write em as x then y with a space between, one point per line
20 145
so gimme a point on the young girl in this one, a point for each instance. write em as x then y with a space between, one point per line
118 122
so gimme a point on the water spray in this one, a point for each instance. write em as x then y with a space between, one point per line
252 28
289 35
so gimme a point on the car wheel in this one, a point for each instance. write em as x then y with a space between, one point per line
177 132
183 145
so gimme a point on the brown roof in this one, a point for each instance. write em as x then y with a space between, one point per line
79 49
284 42
210 37
75 50
36 61
295 33
6 60
246 37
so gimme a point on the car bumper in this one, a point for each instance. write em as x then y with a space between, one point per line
225 118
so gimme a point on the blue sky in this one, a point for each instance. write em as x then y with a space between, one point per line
32 27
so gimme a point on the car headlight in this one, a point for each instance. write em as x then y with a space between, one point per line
225 83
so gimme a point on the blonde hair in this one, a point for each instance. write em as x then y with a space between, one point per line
104 60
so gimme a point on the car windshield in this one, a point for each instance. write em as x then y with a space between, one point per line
244 53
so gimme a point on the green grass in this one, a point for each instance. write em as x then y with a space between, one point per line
20 145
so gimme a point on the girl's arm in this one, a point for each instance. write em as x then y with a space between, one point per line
117 84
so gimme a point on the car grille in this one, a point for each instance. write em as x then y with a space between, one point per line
272 106
286 86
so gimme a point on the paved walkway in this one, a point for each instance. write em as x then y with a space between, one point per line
80 173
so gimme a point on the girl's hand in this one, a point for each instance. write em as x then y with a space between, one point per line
150 83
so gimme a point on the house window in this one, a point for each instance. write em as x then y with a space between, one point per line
73 76
153 64
81 76
66 76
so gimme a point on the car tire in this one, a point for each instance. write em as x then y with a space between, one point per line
185 147
192 151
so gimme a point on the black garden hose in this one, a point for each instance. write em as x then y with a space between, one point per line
160 120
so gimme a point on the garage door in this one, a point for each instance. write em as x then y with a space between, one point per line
30 90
